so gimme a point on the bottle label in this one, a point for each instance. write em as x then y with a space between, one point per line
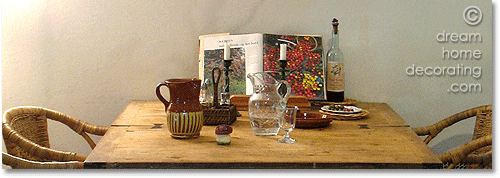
335 77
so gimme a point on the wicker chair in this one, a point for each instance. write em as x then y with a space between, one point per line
25 134
475 154
20 163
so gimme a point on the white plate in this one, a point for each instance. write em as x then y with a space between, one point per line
354 110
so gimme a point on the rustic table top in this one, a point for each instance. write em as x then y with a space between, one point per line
138 138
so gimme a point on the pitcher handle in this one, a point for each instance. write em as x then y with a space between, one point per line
160 97
288 90
216 86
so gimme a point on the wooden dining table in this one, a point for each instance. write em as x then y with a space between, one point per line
139 138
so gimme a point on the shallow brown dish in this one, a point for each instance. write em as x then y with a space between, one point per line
312 120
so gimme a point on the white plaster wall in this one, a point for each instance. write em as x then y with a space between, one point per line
89 59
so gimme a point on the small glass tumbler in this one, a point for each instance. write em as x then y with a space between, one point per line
288 124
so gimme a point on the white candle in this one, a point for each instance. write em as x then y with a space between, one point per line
227 51
282 51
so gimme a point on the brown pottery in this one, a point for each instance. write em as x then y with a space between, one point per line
183 112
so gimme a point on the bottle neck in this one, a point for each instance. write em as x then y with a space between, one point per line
335 36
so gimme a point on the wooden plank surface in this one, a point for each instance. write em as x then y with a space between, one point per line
137 143
141 113
382 114
337 146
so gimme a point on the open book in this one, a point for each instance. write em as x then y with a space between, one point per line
259 52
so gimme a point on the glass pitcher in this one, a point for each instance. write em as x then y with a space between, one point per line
266 105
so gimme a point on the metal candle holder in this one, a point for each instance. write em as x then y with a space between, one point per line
282 70
225 94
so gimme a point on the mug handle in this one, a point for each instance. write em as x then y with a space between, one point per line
160 97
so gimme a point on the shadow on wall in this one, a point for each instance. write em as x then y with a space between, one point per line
450 143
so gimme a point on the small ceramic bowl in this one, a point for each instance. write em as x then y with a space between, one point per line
312 120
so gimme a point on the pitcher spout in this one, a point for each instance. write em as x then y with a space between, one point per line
262 80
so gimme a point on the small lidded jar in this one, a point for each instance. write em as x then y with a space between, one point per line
223 132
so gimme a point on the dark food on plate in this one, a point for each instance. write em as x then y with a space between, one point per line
337 107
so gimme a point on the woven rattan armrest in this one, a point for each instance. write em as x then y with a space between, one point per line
477 153
433 130
462 153
37 150
44 153
20 163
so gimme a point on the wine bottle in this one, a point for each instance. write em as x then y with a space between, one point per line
335 68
